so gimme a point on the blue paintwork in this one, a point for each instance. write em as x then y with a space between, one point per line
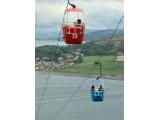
97 95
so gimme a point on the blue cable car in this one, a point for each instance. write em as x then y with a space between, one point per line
97 90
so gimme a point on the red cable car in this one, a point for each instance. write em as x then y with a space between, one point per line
74 27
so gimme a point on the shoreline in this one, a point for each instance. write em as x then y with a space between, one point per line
116 77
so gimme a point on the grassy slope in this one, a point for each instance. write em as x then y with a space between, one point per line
109 66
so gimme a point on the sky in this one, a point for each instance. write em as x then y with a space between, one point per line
99 14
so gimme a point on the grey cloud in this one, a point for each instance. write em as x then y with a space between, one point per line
49 14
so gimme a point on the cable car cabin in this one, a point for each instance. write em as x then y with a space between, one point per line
97 90
74 27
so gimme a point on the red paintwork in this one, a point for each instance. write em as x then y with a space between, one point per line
73 34
74 10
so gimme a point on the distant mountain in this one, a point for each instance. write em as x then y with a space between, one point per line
90 30
53 35
103 34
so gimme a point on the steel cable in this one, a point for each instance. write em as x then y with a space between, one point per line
83 81
50 69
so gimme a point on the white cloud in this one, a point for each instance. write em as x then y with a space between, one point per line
48 14
99 14
113 5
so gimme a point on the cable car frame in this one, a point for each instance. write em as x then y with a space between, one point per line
74 31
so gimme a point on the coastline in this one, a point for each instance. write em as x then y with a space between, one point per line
115 77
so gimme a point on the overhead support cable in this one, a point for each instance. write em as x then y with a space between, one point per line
83 81
50 69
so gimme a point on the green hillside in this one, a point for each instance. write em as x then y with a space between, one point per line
91 49
109 66
91 52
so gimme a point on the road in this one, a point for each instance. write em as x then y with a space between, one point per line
81 107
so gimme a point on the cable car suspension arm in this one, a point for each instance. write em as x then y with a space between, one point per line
100 69
74 6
